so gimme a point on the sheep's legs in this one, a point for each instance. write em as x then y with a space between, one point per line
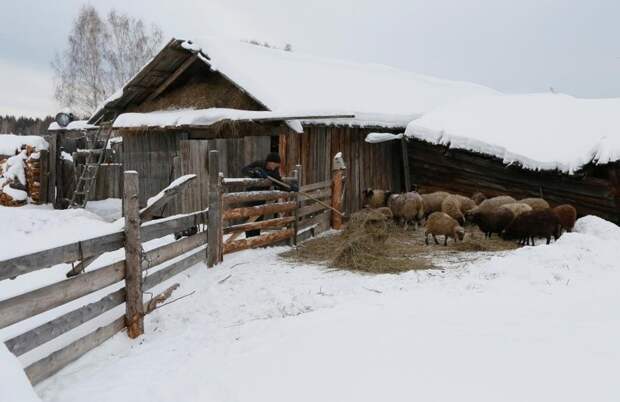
445 240
426 238
435 238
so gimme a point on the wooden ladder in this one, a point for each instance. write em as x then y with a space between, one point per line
91 167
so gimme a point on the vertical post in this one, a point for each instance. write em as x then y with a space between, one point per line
338 170
134 313
44 169
52 159
298 177
407 173
214 225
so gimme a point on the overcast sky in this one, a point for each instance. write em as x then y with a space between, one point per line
510 45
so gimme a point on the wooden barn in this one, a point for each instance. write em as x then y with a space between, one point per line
561 148
247 100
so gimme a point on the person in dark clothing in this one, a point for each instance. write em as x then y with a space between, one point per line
270 167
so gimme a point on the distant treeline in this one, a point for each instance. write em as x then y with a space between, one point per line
24 125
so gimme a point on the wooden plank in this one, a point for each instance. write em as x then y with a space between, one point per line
168 194
337 180
44 166
310 209
316 186
215 212
173 77
269 223
249 182
245 212
405 156
270 195
29 304
43 333
134 313
258 241
52 161
169 251
318 194
46 367
162 227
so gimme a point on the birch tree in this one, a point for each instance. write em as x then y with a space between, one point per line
101 55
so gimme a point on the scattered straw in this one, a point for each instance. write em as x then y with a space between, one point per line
372 243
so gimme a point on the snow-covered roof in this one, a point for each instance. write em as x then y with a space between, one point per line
205 117
377 95
9 143
74 125
538 131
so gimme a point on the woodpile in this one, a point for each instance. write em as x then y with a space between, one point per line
26 167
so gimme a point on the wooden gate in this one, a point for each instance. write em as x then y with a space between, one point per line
277 215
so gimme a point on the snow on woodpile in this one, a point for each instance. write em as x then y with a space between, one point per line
378 95
74 125
10 144
199 117
537 131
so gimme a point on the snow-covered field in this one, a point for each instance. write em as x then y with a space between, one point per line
535 324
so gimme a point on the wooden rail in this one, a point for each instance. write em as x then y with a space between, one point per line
186 252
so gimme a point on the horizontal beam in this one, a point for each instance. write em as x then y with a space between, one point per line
250 182
95 246
316 186
48 366
270 223
29 304
249 196
310 209
246 212
258 241
173 269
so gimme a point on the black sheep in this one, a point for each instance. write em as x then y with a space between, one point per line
490 222
536 223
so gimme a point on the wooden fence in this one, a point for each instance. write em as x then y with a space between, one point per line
131 270
287 215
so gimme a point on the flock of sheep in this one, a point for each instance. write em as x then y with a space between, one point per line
445 214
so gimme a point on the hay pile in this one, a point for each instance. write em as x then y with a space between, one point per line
364 245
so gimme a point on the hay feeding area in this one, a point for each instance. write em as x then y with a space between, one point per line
373 243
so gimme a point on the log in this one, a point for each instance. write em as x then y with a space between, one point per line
43 333
29 304
250 182
134 313
337 181
215 234
169 251
270 223
258 241
267 209
46 367
269 195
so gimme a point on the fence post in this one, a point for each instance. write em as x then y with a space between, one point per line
134 312
338 174
214 224
298 177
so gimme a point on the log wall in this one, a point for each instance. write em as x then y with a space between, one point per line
434 167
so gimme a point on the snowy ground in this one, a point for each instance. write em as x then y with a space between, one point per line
537 324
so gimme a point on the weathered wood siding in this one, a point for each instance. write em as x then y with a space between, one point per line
435 167
152 155
368 165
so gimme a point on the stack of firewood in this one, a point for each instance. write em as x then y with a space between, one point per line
12 189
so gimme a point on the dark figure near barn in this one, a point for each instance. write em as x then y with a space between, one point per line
270 167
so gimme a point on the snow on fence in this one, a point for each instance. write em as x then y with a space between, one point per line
314 208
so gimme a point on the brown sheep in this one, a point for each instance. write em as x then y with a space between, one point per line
432 201
536 203
478 197
442 224
489 205
491 221
567 215
451 205
531 224
517 208
407 208
375 198
467 204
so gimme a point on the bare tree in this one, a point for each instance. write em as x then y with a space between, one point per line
102 54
